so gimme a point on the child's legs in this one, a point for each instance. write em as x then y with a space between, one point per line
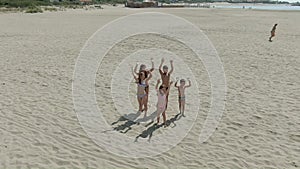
164 114
166 104
182 106
159 112
167 99
179 103
164 117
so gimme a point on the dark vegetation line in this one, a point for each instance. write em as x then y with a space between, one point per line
30 3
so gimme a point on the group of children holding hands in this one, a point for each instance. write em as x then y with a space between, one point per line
162 87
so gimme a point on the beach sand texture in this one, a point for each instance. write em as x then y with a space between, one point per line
260 127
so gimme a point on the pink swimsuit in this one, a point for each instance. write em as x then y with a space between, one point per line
161 101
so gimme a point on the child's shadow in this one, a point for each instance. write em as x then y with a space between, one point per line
149 131
151 118
130 120
127 117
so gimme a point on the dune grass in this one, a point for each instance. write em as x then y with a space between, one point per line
34 9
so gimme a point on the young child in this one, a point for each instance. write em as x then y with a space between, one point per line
181 96
273 32
165 76
142 83
162 93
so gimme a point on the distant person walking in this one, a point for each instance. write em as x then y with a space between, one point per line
273 32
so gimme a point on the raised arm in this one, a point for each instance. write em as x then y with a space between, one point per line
176 83
134 76
152 63
172 67
149 77
190 84
135 68
157 83
161 64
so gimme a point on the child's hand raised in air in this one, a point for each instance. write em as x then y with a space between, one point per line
189 79
158 80
190 84
162 60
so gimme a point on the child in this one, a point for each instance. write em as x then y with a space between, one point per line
163 71
181 96
162 93
165 76
273 32
142 82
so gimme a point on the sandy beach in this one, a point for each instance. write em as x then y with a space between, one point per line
260 126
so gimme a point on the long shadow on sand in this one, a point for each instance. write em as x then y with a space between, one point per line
130 120
149 131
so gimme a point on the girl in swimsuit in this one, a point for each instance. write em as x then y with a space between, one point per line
181 96
147 71
142 84
162 93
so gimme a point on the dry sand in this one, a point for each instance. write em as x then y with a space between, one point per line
260 127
